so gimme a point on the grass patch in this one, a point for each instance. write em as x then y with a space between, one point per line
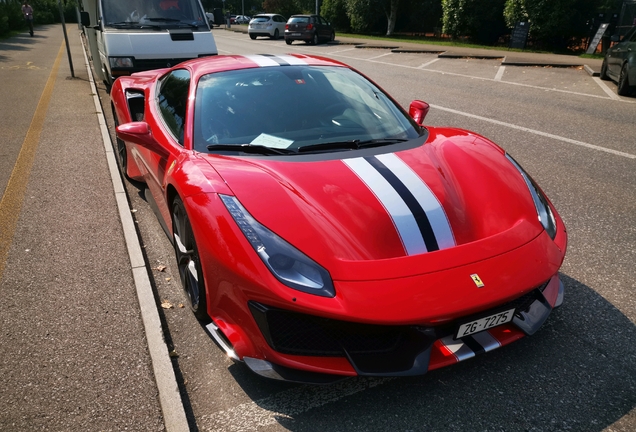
422 40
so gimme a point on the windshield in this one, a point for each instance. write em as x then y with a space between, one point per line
155 13
291 107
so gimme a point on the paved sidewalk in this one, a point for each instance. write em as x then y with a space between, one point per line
76 351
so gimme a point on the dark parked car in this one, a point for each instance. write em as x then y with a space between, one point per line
619 63
309 28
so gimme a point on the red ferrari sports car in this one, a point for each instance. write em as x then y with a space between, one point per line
321 231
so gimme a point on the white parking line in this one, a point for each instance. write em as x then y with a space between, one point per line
381 55
536 132
336 54
341 51
500 73
606 89
428 63
253 415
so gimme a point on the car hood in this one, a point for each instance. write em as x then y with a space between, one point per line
454 199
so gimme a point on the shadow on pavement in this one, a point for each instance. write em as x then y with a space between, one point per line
577 373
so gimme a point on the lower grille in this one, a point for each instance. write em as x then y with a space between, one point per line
300 334
371 349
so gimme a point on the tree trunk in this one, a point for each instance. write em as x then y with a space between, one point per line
392 17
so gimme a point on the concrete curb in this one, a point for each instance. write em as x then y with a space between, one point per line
591 71
174 416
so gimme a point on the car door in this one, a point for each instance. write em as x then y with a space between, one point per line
325 28
168 128
279 22
617 55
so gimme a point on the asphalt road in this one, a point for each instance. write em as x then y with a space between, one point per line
576 137
569 130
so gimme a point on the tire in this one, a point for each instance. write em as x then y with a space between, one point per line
603 75
333 37
314 39
252 36
288 41
276 35
120 150
188 261
624 89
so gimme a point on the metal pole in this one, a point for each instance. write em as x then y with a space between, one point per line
68 49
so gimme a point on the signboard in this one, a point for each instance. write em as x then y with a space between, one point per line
519 35
597 38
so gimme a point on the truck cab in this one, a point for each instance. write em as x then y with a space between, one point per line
127 36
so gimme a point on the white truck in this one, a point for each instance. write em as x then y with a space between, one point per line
127 36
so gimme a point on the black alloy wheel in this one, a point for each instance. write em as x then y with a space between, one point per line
188 261
120 150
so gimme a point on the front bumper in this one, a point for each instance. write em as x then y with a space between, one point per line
389 350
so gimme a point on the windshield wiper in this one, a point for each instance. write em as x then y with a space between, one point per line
164 19
380 142
250 148
349 145
133 24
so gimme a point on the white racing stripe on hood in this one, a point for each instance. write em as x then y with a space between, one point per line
424 195
395 206
395 192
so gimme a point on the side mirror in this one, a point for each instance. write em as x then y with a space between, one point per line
139 133
418 111
86 19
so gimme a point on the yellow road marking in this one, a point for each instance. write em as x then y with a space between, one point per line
11 202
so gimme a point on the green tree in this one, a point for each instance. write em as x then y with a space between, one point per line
480 20
335 11
286 8
367 14
554 24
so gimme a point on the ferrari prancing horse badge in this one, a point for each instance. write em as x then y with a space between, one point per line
475 277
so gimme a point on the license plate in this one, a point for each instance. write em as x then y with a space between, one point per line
295 34
485 323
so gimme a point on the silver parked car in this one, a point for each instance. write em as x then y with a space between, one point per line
270 25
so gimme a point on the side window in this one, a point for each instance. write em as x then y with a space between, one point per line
172 99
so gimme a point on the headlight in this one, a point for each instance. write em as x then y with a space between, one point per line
120 62
289 265
540 201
